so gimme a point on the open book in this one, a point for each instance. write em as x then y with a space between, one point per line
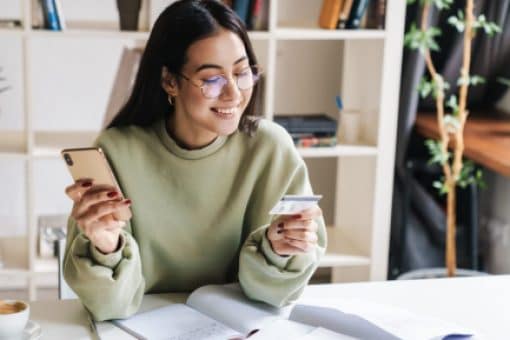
223 312
211 312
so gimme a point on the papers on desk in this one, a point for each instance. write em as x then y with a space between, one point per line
367 320
223 312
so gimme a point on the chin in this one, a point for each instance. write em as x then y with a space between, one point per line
229 129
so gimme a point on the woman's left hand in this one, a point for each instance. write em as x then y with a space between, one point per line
294 234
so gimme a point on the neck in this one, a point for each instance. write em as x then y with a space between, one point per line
188 138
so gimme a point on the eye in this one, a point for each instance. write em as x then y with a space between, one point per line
245 72
212 80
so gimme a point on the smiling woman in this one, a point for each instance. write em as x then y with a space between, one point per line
199 172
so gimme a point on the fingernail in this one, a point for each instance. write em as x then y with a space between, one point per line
297 216
126 202
279 231
86 184
112 194
280 225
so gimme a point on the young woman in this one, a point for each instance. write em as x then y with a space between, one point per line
202 174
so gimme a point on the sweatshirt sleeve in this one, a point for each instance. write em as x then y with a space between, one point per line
110 286
263 274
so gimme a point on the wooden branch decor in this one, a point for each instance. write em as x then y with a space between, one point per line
451 125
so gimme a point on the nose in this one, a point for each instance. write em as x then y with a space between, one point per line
230 90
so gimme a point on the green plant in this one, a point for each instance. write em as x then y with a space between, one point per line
451 124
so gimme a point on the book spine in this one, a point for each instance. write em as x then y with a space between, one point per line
256 15
242 9
50 15
329 13
60 14
358 10
344 14
380 13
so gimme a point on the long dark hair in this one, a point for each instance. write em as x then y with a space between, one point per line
177 27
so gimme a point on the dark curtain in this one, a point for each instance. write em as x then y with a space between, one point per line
418 218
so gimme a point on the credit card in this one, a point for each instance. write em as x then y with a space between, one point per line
293 204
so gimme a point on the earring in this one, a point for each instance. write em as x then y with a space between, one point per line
170 100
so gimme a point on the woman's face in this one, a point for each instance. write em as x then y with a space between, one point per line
198 118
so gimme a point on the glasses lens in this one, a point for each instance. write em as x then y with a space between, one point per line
213 87
247 78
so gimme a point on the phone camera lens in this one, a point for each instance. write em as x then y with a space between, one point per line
68 159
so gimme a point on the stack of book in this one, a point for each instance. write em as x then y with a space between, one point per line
311 130
254 13
352 14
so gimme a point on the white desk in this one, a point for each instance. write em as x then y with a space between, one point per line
482 303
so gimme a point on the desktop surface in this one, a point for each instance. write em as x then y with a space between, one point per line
481 303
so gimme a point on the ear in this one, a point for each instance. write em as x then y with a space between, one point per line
169 82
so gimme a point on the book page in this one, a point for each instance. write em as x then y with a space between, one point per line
175 322
365 319
229 305
324 334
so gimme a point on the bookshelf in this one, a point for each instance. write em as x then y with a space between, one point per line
65 79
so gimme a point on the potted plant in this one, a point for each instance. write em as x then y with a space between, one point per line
456 172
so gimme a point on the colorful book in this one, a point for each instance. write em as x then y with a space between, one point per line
259 15
242 9
376 13
329 13
60 14
50 15
357 11
344 14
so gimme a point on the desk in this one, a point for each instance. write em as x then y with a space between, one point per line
486 140
480 302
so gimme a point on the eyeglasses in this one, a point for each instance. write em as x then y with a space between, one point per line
213 87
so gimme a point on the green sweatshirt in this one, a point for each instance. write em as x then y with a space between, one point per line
199 217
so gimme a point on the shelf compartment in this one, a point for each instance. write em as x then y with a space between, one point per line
49 144
341 252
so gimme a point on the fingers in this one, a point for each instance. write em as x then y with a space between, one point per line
301 235
101 210
309 213
76 190
291 224
284 249
304 246
95 195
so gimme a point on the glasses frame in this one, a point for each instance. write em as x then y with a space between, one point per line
201 87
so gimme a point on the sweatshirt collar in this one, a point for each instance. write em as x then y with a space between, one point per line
174 148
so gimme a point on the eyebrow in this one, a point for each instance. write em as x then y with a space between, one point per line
204 66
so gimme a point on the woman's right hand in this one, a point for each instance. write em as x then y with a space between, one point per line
94 210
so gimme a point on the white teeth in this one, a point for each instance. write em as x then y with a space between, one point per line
227 111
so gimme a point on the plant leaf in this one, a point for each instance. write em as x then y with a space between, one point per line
504 81
436 152
451 123
452 103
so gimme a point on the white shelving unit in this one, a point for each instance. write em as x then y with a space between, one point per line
66 78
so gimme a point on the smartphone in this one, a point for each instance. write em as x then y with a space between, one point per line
92 163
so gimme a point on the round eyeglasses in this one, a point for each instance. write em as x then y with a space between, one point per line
213 87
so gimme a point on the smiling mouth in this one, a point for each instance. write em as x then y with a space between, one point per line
225 113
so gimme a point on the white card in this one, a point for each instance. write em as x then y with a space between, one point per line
294 204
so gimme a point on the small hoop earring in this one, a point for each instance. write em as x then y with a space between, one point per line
170 100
